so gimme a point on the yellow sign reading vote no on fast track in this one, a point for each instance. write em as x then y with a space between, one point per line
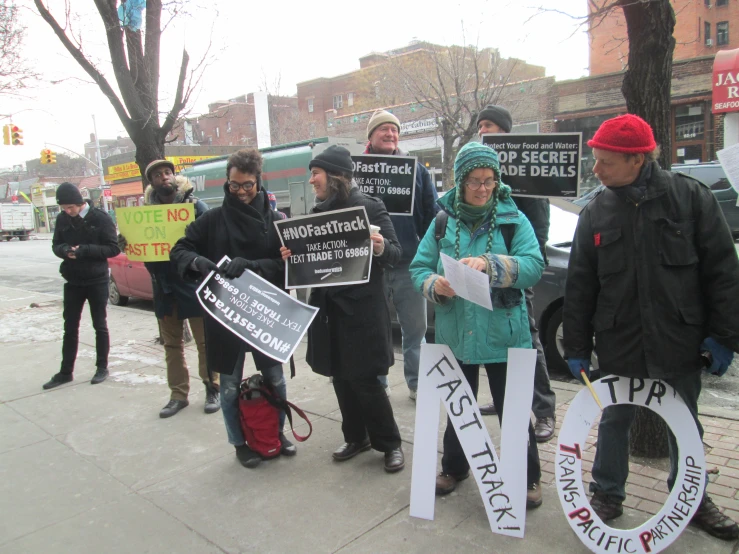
151 231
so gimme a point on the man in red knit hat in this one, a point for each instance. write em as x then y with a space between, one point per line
654 277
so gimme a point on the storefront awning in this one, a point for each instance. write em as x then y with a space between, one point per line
126 189
726 81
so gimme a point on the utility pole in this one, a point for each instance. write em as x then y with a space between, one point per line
100 166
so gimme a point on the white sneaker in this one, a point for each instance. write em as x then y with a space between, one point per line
412 394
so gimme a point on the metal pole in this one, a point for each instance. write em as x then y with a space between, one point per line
100 166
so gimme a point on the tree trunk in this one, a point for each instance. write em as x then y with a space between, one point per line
648 436
646 88
646 85
447 160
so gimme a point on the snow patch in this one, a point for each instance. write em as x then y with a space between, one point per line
123 353
30 325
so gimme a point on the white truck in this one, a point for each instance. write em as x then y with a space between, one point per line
16 220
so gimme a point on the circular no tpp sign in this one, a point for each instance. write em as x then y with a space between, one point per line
660 530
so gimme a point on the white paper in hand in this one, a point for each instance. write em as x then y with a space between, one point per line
468 283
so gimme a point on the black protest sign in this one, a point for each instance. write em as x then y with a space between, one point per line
390 178
255 310
539 164
328 249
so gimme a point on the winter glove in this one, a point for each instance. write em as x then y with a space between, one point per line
122 242
204 265
721 357
578 364
237 266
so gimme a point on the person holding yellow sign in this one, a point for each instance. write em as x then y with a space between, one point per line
175 299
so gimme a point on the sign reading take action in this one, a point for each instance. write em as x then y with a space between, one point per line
389 178
151 231
539 164
328 249
258 312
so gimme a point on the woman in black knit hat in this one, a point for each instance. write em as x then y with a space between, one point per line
351 338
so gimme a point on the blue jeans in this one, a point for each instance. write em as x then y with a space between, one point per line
230 393
410 306
611 465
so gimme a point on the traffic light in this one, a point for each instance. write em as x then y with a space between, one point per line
16 135
48 156
6 134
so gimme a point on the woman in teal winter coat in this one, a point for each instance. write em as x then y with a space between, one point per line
477 209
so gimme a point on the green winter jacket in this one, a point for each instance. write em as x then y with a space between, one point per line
477 335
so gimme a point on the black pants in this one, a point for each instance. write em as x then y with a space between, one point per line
453 460
74 301
366 410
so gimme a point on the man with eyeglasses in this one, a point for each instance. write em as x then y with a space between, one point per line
497 119
383 132
242 228
174 299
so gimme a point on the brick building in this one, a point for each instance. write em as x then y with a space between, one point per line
702 28
234 122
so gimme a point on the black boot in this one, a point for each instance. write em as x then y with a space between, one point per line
58 379
212 400
100 375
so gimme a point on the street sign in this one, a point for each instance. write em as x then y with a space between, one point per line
107 193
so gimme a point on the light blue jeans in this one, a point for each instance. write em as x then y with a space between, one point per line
411 309
230 396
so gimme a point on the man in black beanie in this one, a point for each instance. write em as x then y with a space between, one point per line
84 238
497 119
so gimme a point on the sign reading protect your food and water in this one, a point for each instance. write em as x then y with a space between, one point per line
389 178
328 249
255 310
539 164
152 231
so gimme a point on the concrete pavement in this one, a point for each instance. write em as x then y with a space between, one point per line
94 469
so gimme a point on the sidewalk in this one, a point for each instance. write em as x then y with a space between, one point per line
94 469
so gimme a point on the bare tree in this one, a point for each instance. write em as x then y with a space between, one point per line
15 74
286 123
135 58
453 83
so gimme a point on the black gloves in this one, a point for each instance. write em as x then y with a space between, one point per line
122 242
237 266
204 265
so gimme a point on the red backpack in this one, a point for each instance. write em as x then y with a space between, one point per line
259 409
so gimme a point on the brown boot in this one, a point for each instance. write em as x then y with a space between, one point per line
712 521
446 483
533 496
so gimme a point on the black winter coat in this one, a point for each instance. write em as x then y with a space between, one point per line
536 211
652 280
236 230
167 285
352 336
95 235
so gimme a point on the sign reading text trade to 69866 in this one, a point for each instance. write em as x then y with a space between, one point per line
389 178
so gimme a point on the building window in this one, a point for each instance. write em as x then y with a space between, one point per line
689 123
310 105
722 33
707 33
228 127
338 101
377 90
708 3
722 2
350 99
218 132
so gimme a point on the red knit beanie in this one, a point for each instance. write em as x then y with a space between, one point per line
628 134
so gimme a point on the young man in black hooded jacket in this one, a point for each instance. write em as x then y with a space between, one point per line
84 238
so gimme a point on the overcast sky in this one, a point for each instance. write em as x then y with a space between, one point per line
257 42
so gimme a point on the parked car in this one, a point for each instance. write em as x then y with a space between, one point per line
128 278
713 176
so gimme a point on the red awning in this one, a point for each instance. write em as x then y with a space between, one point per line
726 81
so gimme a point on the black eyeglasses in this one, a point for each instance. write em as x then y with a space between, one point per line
247 186
474 185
